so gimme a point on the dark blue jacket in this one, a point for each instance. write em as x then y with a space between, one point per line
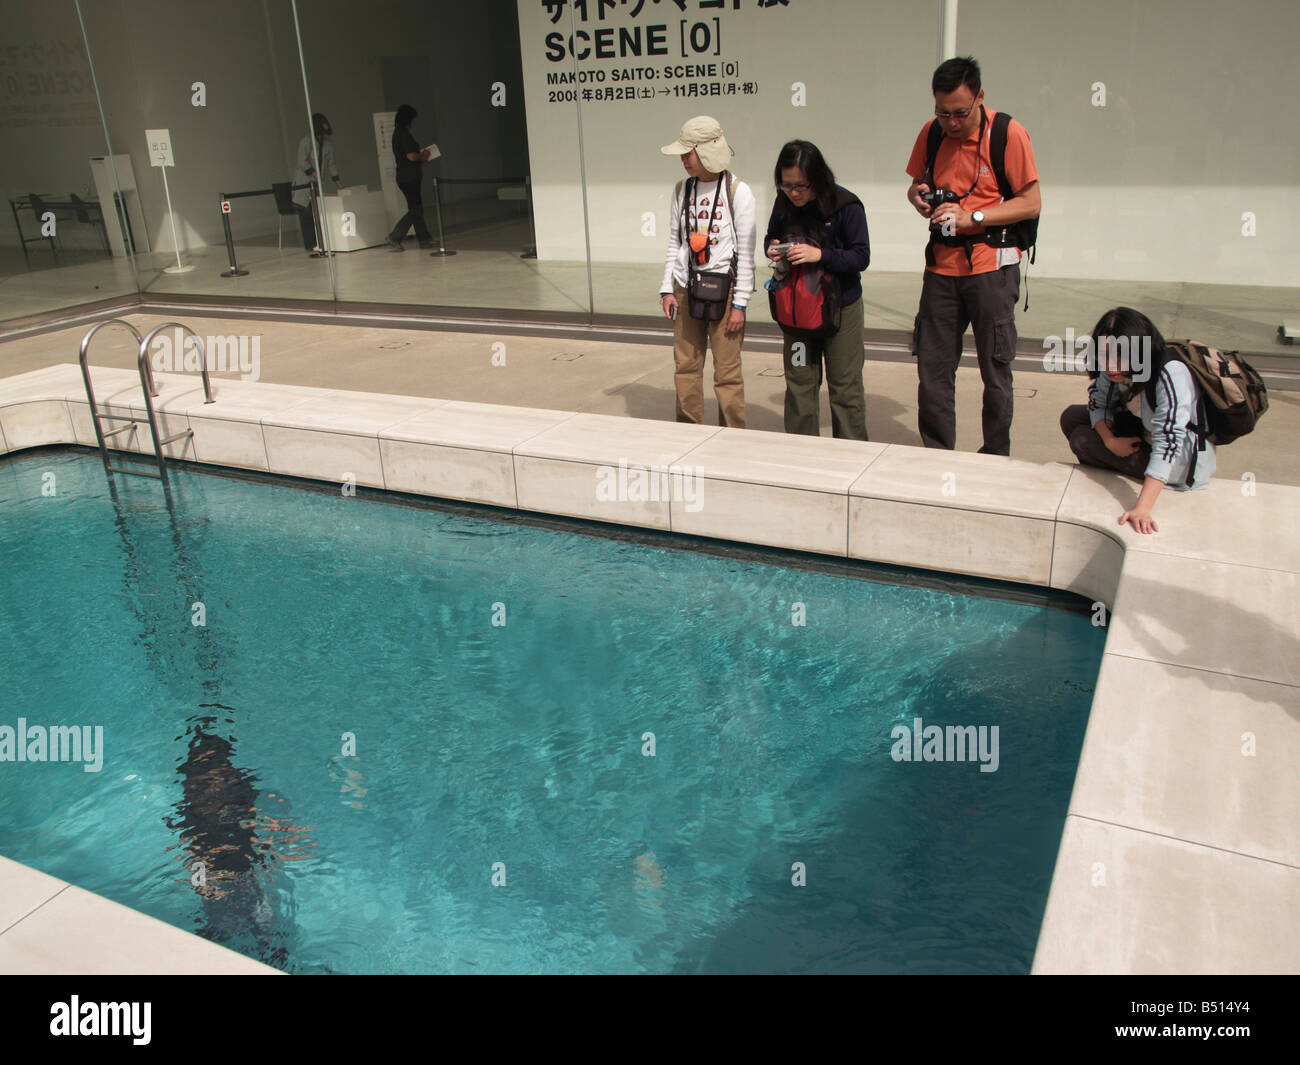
846 247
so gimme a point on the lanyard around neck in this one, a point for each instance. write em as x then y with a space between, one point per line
717 204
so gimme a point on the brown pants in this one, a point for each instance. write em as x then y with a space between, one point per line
690 337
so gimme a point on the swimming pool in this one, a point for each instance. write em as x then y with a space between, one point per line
572 753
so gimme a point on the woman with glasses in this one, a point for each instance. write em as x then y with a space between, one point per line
816 221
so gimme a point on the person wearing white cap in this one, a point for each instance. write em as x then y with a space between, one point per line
708 272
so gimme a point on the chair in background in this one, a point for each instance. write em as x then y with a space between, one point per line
92 214
283 191
39 209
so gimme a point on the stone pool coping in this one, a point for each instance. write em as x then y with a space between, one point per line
1177 854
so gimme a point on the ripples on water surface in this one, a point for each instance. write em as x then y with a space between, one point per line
519 743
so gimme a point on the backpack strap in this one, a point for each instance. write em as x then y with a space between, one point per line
1199 426
933 139
687 188
998 153
731 221
998 157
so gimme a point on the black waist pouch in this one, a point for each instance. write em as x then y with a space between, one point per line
707 295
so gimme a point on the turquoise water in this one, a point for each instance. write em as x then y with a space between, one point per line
518 743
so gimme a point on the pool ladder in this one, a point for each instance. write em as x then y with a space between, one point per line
150 391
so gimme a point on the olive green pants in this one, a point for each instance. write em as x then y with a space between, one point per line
843 357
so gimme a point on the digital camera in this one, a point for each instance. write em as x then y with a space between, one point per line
936 199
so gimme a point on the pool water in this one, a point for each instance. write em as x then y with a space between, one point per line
396 739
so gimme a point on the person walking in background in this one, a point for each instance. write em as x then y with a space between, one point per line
817 225
974 180
708 271
303 200
409 158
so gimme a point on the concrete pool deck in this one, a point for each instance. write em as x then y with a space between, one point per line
1178 854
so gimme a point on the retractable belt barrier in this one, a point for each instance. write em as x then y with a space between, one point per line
526 181
530 252
223 200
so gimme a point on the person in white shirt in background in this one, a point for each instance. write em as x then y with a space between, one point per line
303 200
710 231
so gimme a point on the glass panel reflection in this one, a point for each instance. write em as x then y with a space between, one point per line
431 140
61 242
223 87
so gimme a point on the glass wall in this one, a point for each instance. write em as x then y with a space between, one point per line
60 237
1168 177
464 211
216 93
544 190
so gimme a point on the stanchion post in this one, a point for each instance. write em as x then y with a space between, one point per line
437 203
530 252
318 220
234 270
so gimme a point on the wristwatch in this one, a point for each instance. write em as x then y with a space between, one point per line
977 217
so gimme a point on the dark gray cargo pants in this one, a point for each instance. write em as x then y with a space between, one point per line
986 302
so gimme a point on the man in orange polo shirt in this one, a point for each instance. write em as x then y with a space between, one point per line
972 274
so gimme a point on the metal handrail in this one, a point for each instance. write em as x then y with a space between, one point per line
148 386
146 380
146 369
85 374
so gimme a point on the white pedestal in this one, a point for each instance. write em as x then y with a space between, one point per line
370 219
102 170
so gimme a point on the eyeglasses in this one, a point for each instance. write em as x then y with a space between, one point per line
803 186
959 115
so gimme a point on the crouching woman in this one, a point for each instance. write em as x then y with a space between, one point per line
1161 446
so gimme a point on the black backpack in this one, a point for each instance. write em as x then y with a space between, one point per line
1022 234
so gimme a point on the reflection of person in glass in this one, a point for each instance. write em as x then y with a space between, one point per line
409 157
308 153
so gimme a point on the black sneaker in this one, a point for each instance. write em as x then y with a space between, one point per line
395 245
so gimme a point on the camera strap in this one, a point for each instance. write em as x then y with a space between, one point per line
698 249
935 138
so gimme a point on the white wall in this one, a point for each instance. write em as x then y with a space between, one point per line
1196 129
